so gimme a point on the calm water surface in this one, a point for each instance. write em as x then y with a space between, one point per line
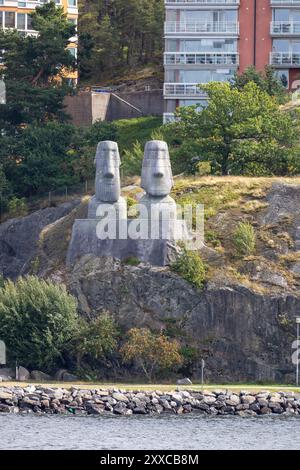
148 433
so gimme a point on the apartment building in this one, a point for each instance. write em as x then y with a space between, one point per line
15 14
209 40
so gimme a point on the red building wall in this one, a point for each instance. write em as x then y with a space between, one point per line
255 42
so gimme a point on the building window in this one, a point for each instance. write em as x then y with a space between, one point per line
29 23
10 19
1 19
21 21
72 3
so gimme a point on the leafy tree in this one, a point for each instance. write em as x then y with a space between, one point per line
190 266
152 352
37 318
95 339
35 69
43 159
242 131
267 81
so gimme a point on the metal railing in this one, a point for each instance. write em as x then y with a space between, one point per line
202 27
285 2
201 58
285 58
285 27
184 89
205 2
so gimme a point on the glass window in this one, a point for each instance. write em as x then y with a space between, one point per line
21 21
1 19
281 14
72 3
9 19
29 23
281 45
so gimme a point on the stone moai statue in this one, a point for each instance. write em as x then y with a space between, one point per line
2 353
107 182
157 181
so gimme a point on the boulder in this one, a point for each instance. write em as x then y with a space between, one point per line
68 377
184 381
23 374
7 373
40 376
120 397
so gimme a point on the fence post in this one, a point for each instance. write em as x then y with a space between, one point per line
86 186
49 198
66 193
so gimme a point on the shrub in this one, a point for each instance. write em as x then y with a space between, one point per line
17 207
37 317
189 266
244 239
152 352
94 339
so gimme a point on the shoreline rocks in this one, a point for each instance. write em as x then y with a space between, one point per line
76 401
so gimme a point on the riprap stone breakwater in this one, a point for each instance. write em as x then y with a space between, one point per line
76 401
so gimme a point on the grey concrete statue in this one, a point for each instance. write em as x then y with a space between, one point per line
107 182
157 179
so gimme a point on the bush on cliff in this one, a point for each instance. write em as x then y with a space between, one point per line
37 318
244 239
153 353
189 266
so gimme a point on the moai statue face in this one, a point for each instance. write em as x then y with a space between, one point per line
157 179
107 160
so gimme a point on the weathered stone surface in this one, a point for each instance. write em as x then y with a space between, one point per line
144 296
19 238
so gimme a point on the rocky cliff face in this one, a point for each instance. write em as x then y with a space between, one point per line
243 335
242 322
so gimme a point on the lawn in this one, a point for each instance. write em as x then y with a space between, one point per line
161 387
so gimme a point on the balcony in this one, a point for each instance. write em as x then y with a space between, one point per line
285 3
178 90
201 28
285 59
285 28
201 58
203 2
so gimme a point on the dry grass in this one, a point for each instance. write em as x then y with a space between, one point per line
157 386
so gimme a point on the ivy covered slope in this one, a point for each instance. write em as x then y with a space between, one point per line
233 303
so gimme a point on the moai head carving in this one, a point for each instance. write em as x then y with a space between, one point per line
157 179
107 160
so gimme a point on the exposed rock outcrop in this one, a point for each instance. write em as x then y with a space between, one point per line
243 335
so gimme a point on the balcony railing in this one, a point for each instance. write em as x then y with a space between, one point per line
200 58
285 3
286 27
184 89
204 2
201 27
287 59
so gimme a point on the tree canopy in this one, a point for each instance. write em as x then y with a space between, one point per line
35 69
241 131
115 34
